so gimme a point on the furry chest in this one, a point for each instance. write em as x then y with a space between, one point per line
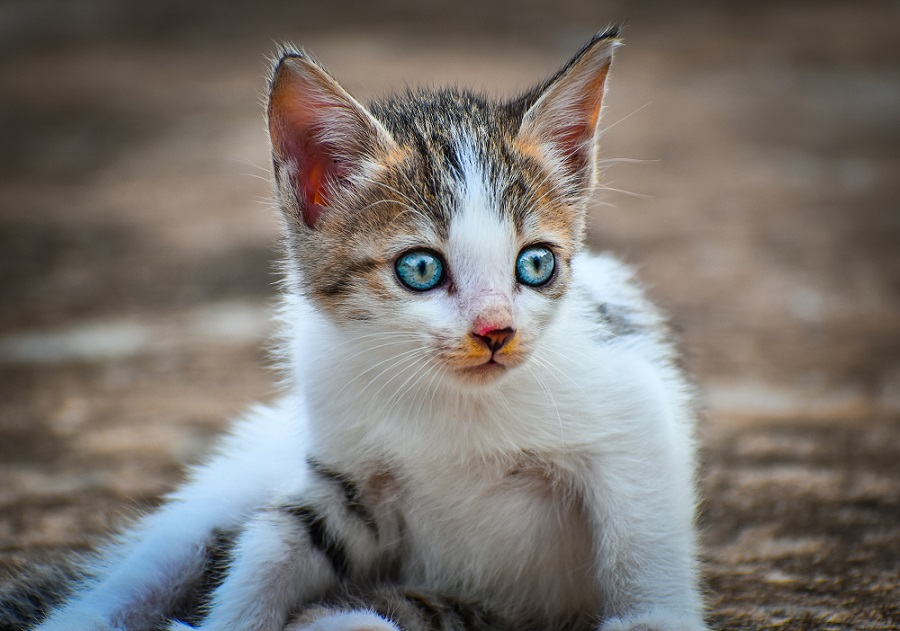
517 537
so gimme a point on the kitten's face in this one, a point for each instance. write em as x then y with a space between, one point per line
463 266
438 230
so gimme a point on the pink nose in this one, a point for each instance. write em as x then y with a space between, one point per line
495 339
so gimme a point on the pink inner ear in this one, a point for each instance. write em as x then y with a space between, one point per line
575 138
320 136
568 114
300 108
312 171
574 141
311 164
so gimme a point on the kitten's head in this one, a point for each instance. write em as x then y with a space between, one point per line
439 224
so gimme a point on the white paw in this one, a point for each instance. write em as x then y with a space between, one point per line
654 622
342 621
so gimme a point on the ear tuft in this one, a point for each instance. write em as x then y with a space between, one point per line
564 115
321 136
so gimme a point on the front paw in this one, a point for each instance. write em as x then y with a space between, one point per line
331 620
654 622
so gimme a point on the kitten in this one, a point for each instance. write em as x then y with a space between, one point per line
485 426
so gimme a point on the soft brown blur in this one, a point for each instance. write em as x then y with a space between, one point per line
754 177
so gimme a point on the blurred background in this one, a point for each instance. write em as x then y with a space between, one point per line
752 164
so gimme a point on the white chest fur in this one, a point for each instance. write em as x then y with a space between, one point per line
514 536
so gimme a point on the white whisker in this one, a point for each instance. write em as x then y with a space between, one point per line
550 399
399 357
391 400
623 191
606 128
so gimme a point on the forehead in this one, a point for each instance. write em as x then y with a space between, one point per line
462 194
460 164
479 230
443 133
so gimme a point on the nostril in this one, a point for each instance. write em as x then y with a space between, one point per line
495 339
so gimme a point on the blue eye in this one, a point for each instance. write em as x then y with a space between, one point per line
420 270
535 266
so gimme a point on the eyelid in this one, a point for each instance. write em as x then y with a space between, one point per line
541 244
397 247
420 248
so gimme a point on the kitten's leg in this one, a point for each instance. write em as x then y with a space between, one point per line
645 551
387 608
640 501
276 565
135 583
297 550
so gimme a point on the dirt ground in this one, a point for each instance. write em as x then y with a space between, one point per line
753 175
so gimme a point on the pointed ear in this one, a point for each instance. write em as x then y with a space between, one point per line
562 119
321 136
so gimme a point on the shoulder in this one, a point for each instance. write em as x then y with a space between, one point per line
614 300
628 330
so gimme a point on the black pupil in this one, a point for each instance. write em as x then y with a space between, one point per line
536 262
422 267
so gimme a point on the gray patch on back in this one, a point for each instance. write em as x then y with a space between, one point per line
617 321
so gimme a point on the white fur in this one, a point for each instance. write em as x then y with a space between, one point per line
346 621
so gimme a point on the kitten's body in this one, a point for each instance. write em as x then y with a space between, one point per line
487 452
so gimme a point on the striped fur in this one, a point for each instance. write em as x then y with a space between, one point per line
25 602
415 476
414 609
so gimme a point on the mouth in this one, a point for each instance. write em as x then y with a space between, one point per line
483 371
491 364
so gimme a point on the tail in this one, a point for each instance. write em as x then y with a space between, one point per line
28 596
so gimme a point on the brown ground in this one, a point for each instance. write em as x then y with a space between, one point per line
133 164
